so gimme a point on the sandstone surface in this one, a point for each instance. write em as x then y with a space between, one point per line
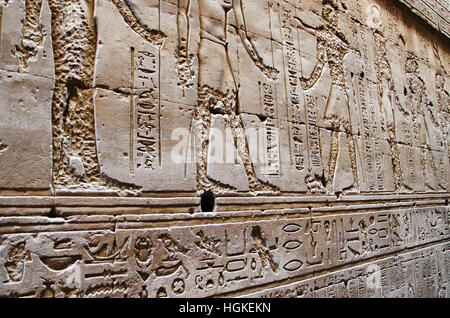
231 148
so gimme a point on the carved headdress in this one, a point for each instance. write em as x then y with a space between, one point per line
329 12
411 64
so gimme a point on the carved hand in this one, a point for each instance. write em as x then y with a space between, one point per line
26 51
298 23
271 73
157 38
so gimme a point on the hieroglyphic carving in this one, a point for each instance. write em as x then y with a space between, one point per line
147 112
74 37
87 246
333 44
59 263
342 239
365 92
143 247
272 154
424 120
15 264
314 142
389 101
271 136
302 70
48 292
398 277
144 257
314 180
291 64
435 13
223 258
208 244
173 262
444 102
108 289
106 248
217 86
263 250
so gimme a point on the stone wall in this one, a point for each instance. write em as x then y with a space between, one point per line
234 148
434 12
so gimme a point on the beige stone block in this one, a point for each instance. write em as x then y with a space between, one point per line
25 137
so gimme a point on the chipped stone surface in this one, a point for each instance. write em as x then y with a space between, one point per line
175 148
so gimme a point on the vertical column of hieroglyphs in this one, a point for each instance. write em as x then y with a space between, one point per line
146 150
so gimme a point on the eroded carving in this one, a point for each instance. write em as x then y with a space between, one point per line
74 38
389 101
217 86
423 117
332 47
17 258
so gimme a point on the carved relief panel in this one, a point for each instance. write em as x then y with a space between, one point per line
201 96
175 148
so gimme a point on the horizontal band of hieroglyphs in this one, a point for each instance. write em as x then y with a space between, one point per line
208 259
418 274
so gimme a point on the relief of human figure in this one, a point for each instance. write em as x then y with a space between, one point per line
424 120
443 98
332 47
75 42
217 84
388 99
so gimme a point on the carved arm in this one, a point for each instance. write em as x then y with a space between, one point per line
155 37
185 75
268 71
301 25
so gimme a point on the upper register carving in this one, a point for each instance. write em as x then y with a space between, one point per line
320 97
